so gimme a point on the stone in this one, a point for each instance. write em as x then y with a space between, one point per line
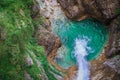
113 63
113 44
72 8
100 9
105 69
46 38
29 61
35 10
98 71
27 76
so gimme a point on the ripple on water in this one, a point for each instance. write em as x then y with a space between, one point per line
90 29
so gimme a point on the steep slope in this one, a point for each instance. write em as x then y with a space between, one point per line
21 58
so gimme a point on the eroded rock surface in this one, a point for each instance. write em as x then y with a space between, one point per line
100 9
105 69
46 38
103 10
72 8
113 63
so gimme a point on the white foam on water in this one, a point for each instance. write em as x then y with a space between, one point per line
80 49
80 52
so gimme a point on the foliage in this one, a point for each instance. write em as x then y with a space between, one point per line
118 11
40 56
16 30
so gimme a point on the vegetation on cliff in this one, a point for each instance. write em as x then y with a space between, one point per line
16 43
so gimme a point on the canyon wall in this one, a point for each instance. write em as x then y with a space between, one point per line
107 12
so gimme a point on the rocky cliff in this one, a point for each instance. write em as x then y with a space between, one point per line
21 58
102 10
28 46
107 12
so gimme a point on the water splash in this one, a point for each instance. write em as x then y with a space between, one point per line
80 52
69 31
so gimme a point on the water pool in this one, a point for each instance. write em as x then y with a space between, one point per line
90 29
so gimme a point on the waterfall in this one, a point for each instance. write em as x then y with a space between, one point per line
80 40
80 52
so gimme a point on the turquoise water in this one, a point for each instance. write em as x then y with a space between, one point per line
90 29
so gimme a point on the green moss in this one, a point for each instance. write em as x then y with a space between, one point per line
16 30
40 56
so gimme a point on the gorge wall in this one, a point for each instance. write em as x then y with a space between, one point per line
107 12
28 44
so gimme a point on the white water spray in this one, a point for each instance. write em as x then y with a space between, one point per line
80 53
51 9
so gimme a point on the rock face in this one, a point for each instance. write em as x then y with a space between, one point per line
100 9
105 69
113 63
46 38
114 39
72 8
43 33
103 10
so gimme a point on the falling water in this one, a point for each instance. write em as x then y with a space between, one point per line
82 40
80 52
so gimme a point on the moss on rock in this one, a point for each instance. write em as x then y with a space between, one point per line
16 42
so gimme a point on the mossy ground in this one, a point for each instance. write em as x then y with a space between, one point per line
16 41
